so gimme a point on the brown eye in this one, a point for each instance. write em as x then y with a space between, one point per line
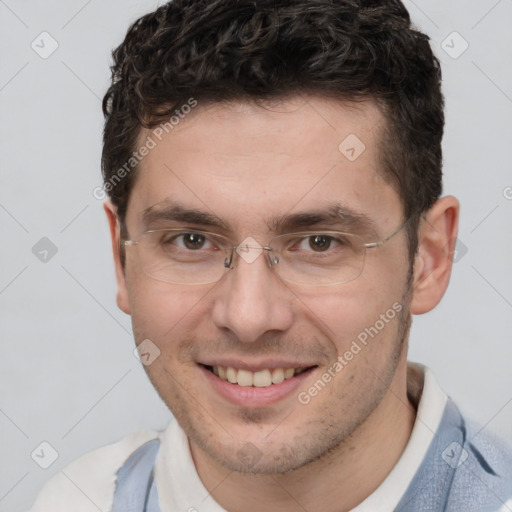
193 241
320 243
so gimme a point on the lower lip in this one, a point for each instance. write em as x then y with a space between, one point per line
251 396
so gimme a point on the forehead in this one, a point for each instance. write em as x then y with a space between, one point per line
246 163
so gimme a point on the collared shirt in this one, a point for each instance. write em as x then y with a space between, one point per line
443 468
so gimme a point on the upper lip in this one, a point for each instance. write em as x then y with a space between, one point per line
255 366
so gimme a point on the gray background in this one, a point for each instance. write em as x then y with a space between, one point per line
67 372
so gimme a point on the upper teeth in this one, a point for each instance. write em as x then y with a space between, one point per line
260 379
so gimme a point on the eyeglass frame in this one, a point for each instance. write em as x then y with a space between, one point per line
229 262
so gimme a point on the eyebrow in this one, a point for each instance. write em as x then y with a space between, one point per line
335 215
178 213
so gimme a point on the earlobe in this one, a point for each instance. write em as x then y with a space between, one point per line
115 234
437 237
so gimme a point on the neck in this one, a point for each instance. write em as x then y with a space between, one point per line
338 481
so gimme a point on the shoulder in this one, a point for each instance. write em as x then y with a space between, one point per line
465 466
88 483
484 469
478 464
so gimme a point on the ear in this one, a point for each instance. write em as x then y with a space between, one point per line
115 234
433 262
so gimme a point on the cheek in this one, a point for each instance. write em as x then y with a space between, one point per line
360 311
164 313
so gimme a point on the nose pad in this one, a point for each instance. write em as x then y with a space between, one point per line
249 251
228 262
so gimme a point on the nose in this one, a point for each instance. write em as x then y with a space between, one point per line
250 300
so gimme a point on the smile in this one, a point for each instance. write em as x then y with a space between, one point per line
259 379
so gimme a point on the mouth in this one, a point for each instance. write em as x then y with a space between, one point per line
258 379
256 384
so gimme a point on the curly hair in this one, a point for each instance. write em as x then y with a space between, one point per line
223 50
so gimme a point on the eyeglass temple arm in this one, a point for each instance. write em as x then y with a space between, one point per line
384 240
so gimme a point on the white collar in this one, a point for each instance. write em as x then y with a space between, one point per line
431 399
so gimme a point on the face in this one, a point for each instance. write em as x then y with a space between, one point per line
246 167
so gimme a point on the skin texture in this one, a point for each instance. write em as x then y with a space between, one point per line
248 164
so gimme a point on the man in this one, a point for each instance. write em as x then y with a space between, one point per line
274 172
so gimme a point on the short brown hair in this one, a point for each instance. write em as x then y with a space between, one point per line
222 50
